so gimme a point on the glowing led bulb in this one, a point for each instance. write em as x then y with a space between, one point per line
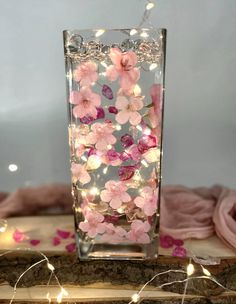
135 297
84 158
94 191
137 90
147 131
3 225
99 33
59 297
50 267
105 170
138 127
149 6
190 269
144 34
152 66
143 161
118 127
12 167
206 272
109 147
133 32
83 193
103 63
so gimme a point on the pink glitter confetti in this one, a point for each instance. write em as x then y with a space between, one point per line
126 172
70 247
63 234
179 252
18 236
147 142
178 242
166 241
127 140
34 242
107 92
56 241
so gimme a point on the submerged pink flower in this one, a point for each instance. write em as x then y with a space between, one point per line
123 66
147 201
85 102
138 232
101 136
79 173
112 157
86 73
113 234
115 194
129 109
93 224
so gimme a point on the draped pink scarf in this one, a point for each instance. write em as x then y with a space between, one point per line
199 212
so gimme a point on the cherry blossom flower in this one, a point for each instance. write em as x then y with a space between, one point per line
79 173
101 136
85 102
115 193
129 109
93 224
147 201
113 234
138 232
86 73
123 66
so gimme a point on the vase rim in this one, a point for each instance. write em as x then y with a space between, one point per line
115 29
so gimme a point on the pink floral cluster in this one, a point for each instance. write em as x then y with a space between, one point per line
96 143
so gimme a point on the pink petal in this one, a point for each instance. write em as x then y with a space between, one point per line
121 102
178 242
34 242
111 73
71 247
144 238
135 118
122 117
115 203
63 233
179 252
116 56
56 241
18 236
106 196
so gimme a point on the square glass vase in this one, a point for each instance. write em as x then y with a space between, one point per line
115 98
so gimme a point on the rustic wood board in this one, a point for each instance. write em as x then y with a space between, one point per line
118 279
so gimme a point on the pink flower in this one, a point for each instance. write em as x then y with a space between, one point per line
79 173
93 224
113 234
86 73
133 151
123 66
85 102
147 201
112 158
138 232
101 136
115 194
129 109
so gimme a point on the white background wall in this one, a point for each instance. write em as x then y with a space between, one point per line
200 118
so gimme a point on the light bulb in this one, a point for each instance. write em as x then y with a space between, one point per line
118 127
190 269
135 297
138 127
50 267
206 272
144 34
133 32
12 167
94 162
152 66
99 33
94 191
109 147
105 170
137 90
149 6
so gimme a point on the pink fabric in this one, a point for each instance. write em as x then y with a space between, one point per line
199 212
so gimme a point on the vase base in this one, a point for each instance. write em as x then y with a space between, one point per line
92 250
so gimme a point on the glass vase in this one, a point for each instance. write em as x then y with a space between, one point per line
115 92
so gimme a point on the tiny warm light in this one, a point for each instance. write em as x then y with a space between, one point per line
135 297
103 63
102 74
137 90
133 32
143 161
59 297
3 225
12 167
99 33
94 191
64 292
105 170
109 147
50 267
118 127
149 6
206 272
83 193
144 34
94 162
152 66
138 127
190 269
48 297
147 131
84 158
